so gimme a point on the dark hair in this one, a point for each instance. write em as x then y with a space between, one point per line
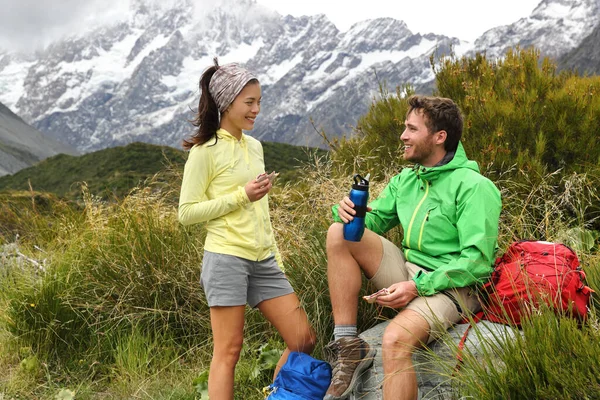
440 114
206 120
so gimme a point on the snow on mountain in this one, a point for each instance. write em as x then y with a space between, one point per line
585 58
555 27
136 79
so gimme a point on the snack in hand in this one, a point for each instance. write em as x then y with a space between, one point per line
272 176
372 297
261 177
264 176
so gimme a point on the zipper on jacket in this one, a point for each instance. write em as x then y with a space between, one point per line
261 228
244 148
422 228
412 220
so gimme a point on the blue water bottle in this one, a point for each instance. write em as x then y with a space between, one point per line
359 195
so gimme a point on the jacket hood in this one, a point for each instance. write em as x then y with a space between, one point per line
223 134
459 160
228 137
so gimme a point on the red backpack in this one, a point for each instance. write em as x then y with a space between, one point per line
531 273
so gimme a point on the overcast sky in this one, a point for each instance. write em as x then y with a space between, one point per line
25 24
464 19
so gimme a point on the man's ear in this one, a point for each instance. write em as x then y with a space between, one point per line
441 137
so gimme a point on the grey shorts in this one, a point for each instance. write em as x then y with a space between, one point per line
441 310
233 281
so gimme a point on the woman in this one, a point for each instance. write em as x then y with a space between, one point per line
241 261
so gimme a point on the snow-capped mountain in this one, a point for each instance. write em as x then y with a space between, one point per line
136 79
555 27
585 58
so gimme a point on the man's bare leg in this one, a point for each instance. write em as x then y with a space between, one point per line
345 260
345 263
407 332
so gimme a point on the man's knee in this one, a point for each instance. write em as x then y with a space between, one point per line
405 334
335 234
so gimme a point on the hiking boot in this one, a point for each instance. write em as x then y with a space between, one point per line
351 356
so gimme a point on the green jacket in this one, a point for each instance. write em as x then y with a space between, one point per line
449 215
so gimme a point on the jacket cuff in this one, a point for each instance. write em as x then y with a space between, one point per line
241 197
334 213
423 287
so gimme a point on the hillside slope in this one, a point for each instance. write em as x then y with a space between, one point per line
21 145
116 170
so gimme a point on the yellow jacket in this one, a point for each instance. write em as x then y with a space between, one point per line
213 191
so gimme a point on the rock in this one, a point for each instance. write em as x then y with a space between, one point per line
432 372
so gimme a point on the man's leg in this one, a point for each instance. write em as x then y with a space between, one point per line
345 263
408 331
345 260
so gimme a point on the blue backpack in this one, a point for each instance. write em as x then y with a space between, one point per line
301 378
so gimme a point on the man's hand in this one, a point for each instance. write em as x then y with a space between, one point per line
346 210
401 294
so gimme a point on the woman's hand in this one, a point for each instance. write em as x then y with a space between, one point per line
256 190
346 210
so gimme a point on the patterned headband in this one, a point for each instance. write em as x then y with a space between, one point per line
227 82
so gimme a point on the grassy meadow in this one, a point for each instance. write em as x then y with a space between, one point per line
101 299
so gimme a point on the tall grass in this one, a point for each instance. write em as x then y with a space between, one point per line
118 310
553 358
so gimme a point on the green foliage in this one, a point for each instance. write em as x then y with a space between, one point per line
519 110
35 217
110 172
376 146
268 356
201 385
126 270
287 159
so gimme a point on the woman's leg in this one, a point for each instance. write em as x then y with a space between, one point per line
290 320
228 329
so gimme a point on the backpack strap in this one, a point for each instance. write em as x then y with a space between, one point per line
461 345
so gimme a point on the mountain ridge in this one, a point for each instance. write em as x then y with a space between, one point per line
137 79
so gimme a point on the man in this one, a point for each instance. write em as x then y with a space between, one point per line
449 214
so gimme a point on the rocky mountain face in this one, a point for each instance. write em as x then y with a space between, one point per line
555 27
585 58
137 79
21 145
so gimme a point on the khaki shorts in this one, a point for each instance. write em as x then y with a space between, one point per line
441 310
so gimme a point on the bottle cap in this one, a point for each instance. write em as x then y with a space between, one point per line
361 183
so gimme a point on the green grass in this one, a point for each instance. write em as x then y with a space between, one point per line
119 313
